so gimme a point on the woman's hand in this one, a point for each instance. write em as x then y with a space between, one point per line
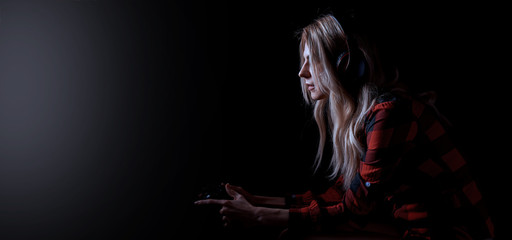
232 190
238 210
241 211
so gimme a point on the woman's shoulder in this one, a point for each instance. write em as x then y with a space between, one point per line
396 107
386 97
392 110
401 104
392 100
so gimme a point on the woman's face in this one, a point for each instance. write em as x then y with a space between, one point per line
310 79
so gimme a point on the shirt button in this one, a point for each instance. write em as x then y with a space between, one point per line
367 184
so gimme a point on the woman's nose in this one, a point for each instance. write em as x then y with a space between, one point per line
304 73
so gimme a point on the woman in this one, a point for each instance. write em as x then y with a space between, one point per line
392 157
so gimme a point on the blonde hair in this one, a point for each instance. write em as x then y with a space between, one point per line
344 108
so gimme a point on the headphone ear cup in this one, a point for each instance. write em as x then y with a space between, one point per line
351 65
342 62
352 68
361 68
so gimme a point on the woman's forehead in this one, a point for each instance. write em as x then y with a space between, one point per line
306 50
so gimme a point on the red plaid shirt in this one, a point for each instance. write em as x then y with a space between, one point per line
411 173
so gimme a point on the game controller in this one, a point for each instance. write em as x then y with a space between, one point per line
214 192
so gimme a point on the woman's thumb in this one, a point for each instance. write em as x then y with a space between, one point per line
232 192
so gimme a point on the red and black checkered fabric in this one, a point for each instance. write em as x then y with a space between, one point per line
411 173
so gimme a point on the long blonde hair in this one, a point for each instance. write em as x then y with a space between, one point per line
344 108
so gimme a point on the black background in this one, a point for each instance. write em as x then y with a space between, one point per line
115 114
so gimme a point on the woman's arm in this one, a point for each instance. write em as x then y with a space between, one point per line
272 216
264 201
242 211
275 202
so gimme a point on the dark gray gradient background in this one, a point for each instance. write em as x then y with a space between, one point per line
104 105
114 114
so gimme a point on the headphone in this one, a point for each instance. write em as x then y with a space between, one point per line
351 64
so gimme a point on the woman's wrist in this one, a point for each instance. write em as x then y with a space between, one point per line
269 201
272 216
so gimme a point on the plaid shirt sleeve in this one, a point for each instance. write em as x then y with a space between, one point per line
387 133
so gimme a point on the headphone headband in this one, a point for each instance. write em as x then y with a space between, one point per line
341 57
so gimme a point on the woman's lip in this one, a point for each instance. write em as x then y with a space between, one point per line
311 87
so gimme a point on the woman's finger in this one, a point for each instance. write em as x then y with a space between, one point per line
227 221
232 192
238 189
222 211
226 210
211 201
